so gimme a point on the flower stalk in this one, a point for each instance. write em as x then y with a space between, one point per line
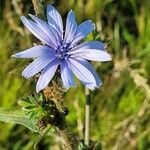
87 117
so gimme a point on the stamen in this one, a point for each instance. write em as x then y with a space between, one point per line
61 52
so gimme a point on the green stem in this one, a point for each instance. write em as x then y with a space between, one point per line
87 117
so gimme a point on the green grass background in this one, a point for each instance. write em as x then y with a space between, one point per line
120 111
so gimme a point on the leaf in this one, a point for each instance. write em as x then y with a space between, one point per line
18 117
24 103
29 108
32 99
35 113
31 115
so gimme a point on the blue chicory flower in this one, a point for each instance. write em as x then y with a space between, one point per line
62 48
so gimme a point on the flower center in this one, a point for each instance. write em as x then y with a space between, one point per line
61 51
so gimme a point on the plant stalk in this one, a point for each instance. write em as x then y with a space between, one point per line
87 117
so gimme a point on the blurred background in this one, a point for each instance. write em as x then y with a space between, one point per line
120 110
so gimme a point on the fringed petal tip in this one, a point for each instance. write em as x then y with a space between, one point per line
100 85
13 56
93 87
67 88
109 57
22 18
93 25
24 75
18 55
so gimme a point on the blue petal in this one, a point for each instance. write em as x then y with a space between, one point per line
66 75
37 65
88 45
92 54
83 30
46 75
84 72
48 30
92 50
34 52
37 31
98 82
71 27
96 55
54 19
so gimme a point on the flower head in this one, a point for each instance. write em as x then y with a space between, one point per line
61 48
